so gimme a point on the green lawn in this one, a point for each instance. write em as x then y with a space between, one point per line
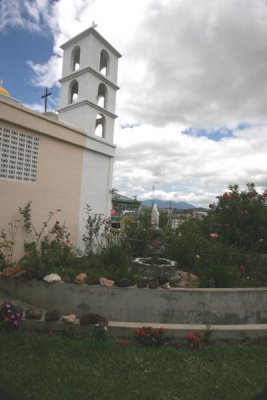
40 367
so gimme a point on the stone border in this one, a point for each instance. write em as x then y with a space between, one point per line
132 305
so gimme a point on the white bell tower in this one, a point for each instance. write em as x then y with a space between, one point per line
89 84
87 102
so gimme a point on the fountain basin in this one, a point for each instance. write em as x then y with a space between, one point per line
147 268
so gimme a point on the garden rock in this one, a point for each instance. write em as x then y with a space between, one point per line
11 271
142 284
188 280
93 319
71 319
123 282
52 278
106 282
52 316
153 284
166 285
20 273
33 313
80 279
175 280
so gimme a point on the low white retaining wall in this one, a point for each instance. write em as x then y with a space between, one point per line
130 304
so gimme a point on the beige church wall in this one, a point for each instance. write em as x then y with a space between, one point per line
57 187
33 121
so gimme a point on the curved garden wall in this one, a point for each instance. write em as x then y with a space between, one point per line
130 304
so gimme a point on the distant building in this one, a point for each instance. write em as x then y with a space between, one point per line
63 161
123 204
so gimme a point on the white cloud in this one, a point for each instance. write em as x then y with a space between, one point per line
181 167
46 74
32 15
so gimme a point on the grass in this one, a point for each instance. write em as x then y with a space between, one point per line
40 367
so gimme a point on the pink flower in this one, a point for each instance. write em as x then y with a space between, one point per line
227 197
214 235
261 241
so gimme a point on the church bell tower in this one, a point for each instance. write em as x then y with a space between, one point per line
87 102
89 84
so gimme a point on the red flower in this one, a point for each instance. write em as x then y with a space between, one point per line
242 268
248 258
190 335
161 330
214 235
261 241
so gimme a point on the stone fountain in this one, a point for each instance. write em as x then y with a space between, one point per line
154 266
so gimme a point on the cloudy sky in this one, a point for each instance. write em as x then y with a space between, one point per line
192 103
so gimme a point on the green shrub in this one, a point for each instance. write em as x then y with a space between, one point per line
240 218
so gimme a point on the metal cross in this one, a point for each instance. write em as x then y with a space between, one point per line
45 97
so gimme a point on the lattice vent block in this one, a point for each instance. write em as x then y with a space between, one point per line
18 155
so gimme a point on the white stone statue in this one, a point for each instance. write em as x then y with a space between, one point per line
155 217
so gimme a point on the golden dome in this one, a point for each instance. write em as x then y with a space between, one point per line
2 90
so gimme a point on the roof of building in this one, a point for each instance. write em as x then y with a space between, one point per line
123 199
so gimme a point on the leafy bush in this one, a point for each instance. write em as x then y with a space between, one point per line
240 218
188 244
46 251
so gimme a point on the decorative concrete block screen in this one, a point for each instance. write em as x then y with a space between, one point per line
18 155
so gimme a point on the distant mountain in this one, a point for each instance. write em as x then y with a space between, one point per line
179 205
